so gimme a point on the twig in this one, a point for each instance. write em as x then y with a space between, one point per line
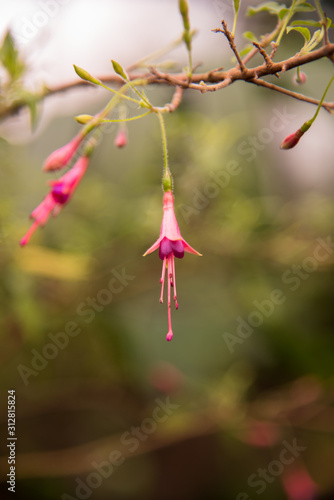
174 104
230 38
210 81
264 54
328 106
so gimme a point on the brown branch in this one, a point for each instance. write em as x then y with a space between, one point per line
230 38
267 59
210 81
328 106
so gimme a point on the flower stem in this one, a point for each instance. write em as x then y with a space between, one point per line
167 181
285 22
309 122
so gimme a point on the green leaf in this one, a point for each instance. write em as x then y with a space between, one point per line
236 5
304 7
312 23
9 57
31 101
271 7
303 31
302 22
245 50
315 40
250 36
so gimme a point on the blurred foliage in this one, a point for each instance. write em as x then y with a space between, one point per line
233 410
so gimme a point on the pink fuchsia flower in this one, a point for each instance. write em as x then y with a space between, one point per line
61 191
61 156
170 244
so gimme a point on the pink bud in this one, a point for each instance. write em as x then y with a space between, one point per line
291 140
60 157
121 139
299 78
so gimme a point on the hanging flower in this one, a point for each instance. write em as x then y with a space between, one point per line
61 191
61 156
170 244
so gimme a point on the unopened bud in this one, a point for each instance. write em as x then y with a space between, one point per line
61 156
291 140
184 11
299 78
85 75
121 139
119 70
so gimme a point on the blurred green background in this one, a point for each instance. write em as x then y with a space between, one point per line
120 413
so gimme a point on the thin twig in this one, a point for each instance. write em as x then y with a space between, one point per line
210 81
328 106
173 105
264 54
230 38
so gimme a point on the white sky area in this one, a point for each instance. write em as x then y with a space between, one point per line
54 34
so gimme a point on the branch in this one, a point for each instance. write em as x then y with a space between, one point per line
210 81
328 106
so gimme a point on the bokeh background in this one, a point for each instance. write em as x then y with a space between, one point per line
117 412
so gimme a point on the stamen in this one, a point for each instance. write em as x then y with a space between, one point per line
169 335
169 267
175 297
162 279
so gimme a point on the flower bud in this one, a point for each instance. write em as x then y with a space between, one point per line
291 140
299 78
85 75
61 156
121 139
119 70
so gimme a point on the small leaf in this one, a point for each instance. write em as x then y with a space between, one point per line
119 70
250 36
315 40
302 22
84 75
245 50
303 31
270 7
304 7
9 57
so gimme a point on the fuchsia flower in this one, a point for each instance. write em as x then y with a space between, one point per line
61 156
61 192
170 244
